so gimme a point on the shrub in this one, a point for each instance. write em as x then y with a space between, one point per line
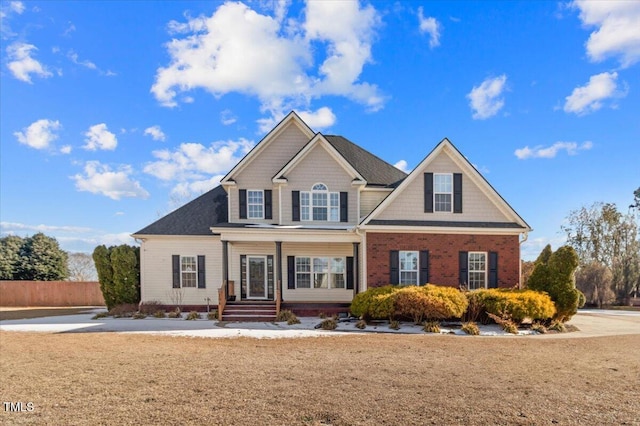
375 303
100 315
329 324
394 325
470 328
293 320
175 313
505 322
361 324
139 315
150 308
285 315
515 304
123 310
417 303
554 273
212 315
558 326
538 327
193 315
322 315
432 327
159 314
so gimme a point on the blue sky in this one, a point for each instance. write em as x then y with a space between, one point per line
114 113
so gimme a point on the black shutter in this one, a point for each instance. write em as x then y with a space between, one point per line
493 269
242 198
295 206
175 263
270 290
344 207
457 192
350 275
463 257
267 204
394 266
291 272
428 192
201 281
424 267
243 277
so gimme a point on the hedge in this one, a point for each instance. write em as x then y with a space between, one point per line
516 304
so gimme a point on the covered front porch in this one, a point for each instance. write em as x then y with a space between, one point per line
295 268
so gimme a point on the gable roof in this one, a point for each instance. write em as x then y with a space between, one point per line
292 117
374 170
470 171
194 218
318 140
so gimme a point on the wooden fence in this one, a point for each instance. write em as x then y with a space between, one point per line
50 293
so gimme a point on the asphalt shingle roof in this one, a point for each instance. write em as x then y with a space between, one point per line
194 218
376 171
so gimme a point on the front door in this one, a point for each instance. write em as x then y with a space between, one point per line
257 277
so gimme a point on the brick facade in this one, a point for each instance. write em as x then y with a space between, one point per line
443 255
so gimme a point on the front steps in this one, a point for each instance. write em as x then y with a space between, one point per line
249 311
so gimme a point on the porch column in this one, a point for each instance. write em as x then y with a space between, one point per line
356 268
225 262
279 267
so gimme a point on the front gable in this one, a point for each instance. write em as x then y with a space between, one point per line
470 201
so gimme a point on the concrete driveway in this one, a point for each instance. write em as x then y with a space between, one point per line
603 322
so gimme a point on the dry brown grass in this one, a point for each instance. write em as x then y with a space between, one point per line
355 379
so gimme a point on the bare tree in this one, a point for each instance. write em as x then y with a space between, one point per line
82 267
595 281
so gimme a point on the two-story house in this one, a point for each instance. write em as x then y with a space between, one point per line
305 221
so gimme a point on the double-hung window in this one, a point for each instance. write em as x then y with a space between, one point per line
408 267
255 204
188 271
477 270
442 192
319 204
320 272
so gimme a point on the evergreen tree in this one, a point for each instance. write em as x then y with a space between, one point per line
10 256
119 273
42 259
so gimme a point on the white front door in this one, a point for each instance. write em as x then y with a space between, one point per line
256 277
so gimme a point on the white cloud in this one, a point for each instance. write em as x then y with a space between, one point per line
617 31
320 119
13 227
71 28
99 137
485 100
187 190
588 98
402 165
194 161
233 50
66 149
100 179
227 118
17 7
156 133
73 56
39 134
22 65
430 26
539 151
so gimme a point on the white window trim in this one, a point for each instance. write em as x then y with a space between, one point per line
439 193
195 272
417 270
329 273
486 268
255 204
328 207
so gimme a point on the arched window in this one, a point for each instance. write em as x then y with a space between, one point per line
320 204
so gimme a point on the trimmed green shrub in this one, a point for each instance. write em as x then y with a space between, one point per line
554 273
470 328
455 302
514 304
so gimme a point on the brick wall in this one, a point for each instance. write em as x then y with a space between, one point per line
443 255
